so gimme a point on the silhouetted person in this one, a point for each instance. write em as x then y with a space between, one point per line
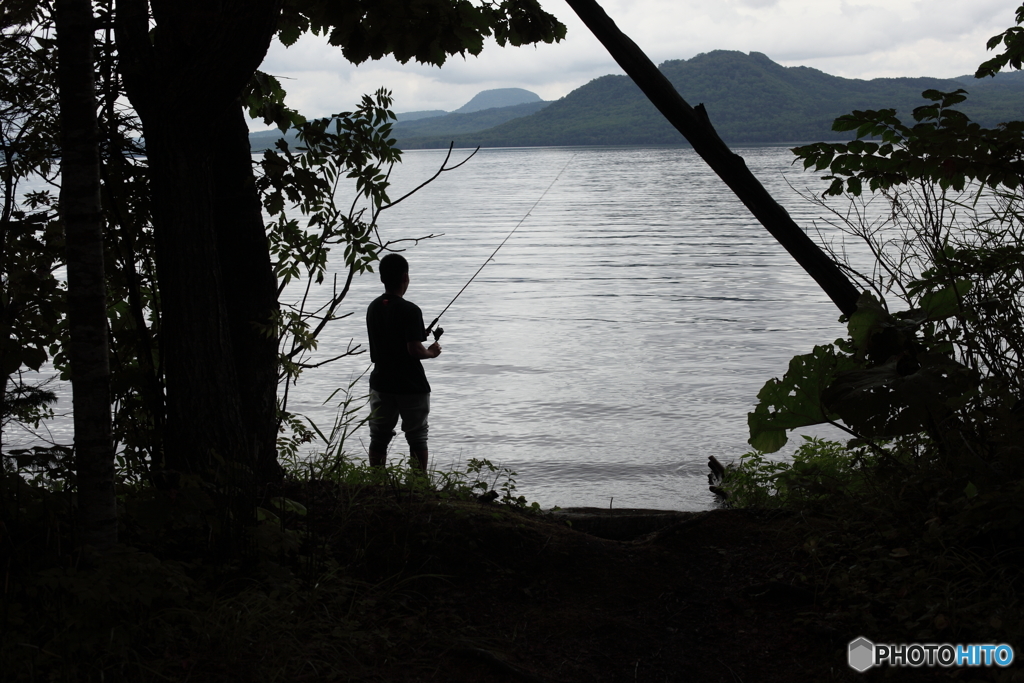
398 385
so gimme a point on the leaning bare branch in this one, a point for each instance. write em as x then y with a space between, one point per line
336 300
443 169
316 315
355 351
386 246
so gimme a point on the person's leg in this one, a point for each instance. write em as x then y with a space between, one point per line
418 459
377 457
383 418
415 408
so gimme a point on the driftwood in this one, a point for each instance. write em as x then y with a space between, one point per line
696 127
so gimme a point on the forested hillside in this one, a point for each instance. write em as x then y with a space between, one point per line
749 98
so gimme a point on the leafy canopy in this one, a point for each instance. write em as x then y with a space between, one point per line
944 147
425 30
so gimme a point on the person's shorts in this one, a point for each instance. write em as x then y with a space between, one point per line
385 409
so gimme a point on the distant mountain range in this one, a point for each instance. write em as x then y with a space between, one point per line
460 124
485 99
487 109
749 98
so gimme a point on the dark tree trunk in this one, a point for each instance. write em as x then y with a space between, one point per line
212 256
204 420
697 129
87 312
249 285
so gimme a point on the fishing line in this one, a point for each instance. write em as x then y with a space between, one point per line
440 331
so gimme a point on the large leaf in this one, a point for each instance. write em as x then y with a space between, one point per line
899 397
866 322
795 400
878 336
944 303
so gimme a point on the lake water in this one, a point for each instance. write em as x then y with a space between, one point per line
617 340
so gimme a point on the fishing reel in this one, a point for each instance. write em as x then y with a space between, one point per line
431 331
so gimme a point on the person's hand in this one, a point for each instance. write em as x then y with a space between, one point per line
434 350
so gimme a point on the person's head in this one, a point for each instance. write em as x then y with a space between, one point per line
394 270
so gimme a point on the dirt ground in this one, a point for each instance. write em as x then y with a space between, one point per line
714 598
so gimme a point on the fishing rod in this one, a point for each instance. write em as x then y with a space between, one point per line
440 330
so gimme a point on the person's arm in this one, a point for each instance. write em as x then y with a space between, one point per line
418 350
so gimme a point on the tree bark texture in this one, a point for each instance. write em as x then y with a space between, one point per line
87 313
216 286
250 287
697 129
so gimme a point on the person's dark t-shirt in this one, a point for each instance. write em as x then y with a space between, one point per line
391 323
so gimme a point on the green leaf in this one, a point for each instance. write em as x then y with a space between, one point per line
795 400
289 34
901 396
946 302
846 122
289 505
33 357
264 515
867 321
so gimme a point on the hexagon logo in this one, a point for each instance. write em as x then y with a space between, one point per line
861 655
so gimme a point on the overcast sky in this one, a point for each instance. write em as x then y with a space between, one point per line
850 38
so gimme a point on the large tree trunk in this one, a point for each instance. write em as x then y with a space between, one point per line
213 264
249 285
697 129
204 421
87 311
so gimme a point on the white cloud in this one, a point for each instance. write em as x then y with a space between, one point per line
850 38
